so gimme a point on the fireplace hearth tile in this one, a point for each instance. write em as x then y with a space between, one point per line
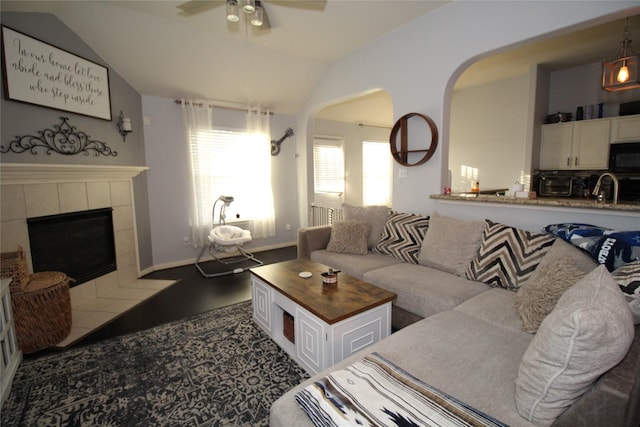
73 197
12 206
95 320
75 334
98 195
98 305
41 199
96 312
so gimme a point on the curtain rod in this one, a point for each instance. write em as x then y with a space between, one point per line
373 126
200 104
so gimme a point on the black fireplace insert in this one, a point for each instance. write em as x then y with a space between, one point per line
79 244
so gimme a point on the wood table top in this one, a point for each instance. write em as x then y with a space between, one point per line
331 303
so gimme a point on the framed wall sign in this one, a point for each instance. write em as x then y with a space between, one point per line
38 73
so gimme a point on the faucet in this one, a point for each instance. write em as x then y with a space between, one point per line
614 178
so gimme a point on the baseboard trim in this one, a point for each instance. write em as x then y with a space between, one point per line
190 261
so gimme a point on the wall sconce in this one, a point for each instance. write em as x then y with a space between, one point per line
124 126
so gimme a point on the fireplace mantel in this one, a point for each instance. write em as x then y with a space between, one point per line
32 173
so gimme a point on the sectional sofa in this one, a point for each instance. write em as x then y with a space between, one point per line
513 327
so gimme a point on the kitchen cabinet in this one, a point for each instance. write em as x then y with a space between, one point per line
575 145
626 129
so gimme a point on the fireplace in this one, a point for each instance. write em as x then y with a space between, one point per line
79 244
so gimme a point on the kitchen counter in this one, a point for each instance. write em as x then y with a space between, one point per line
551 202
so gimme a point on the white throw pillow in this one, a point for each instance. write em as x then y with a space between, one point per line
587 333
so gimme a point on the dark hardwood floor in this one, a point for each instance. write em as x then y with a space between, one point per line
193 294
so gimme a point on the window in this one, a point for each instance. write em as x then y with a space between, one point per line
328 165
376 173
232 163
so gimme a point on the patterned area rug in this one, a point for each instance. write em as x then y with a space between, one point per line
214 369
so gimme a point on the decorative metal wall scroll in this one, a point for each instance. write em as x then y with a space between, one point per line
401 154
275 145
63 139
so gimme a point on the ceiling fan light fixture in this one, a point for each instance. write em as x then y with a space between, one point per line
249 6
257 19
232 11
621 72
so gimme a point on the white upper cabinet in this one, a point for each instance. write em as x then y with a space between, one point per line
591 144
626 129
555 148
576 145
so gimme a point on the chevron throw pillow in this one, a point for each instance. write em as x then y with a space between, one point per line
507 256
628 278
402 236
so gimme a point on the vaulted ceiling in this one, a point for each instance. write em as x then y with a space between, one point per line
163 52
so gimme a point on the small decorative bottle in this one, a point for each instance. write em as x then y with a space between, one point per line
475 188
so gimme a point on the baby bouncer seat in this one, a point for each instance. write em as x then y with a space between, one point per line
226 239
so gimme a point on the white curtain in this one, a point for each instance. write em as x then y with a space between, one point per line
259 125
197 117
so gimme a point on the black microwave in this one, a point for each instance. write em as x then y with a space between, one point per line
624 157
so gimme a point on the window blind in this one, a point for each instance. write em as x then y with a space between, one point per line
328 165
230 163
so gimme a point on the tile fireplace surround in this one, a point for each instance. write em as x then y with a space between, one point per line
33 190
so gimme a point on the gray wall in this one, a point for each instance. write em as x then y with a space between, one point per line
19 119
580 86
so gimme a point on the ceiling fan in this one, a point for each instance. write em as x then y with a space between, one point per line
254 9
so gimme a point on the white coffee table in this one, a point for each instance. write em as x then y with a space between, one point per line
330 322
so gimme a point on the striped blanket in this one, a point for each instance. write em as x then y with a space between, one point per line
375 392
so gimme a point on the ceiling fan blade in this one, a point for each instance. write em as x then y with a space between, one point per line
301 4
193 7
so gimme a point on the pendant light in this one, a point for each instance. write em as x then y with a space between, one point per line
621 73
232 11
249 6
257 19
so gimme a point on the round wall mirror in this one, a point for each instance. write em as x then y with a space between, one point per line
401 150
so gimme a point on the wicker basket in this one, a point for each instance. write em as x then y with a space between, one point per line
42 311
288 327
13 265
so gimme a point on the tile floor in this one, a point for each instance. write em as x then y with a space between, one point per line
96 312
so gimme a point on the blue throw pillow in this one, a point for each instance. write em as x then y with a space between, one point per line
617 248
584 236
609 247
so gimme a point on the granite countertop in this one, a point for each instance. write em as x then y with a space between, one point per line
551 202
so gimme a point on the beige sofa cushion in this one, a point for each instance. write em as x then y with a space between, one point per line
450 243
589 331
470 359
423 290
375 216
354 265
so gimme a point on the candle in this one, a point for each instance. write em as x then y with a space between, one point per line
126 125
